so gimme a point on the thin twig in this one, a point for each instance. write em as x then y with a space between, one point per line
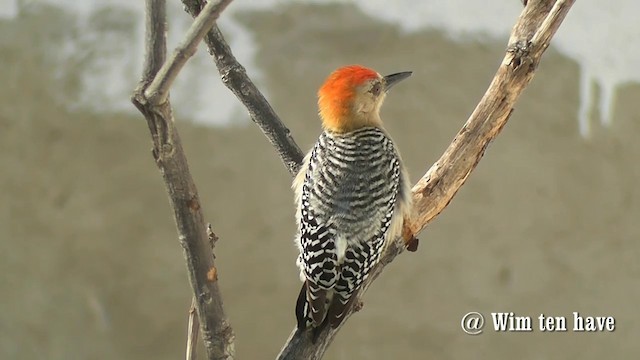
234 76
156 42
158 90
192 332
218 337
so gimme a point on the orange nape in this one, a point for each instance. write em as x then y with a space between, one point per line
336 95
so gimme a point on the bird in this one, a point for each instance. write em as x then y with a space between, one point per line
352 194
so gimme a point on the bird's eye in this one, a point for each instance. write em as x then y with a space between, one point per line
375 89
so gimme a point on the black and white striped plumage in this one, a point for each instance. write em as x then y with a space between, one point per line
352 194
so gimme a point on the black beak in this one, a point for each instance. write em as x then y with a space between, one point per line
391 80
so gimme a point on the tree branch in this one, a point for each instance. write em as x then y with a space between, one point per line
158 90
234 76
151 98
530 38
433 192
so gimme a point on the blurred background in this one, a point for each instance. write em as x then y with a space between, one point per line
90 267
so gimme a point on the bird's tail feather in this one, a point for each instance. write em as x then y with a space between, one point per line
339 308
311 307
302 308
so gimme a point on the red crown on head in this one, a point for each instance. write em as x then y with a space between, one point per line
337 92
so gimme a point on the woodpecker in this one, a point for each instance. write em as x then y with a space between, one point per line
352 194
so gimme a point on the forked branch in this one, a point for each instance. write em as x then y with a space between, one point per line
151 98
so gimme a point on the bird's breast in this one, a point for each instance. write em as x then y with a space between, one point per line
353 180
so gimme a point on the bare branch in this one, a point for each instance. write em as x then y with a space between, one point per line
156 42
158 90
217 334
530 38
234 76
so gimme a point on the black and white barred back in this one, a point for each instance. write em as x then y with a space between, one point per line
348 197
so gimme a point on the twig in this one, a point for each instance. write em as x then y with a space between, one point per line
217 334
156 42
158 90
192 332
234 76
